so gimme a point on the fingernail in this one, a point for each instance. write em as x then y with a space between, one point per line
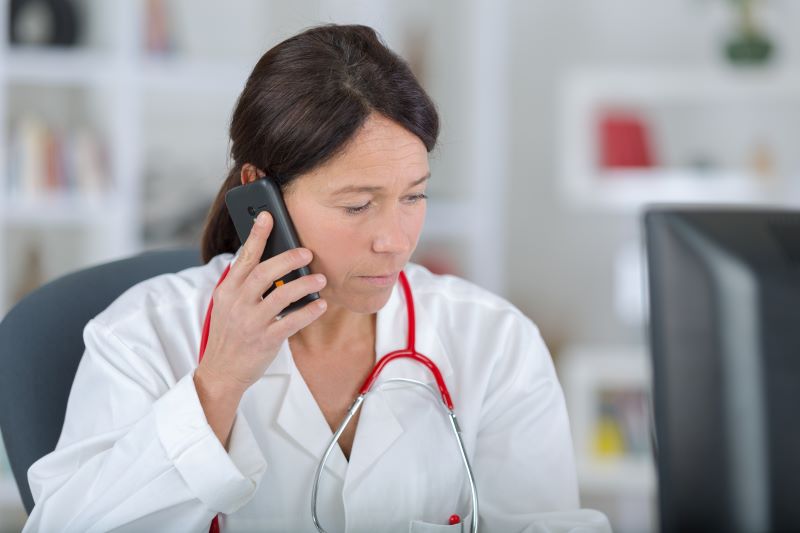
322 304
306 253
320 278
261 219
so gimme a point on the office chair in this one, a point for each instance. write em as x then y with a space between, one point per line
41 343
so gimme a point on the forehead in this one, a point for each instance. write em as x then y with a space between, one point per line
382 153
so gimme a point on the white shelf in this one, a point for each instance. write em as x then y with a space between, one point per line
57 208
624 475
630 189
56 67
175 74
653 85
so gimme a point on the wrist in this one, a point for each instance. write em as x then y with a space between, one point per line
219 400
214 386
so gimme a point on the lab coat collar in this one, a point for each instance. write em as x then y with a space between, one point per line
379 426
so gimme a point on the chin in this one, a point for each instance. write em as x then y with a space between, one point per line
368 304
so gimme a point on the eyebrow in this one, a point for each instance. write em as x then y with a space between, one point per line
374 188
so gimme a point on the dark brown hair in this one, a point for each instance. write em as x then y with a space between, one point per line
305 99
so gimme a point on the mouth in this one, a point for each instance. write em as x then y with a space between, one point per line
382 280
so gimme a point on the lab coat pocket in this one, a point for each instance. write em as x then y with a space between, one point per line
417 526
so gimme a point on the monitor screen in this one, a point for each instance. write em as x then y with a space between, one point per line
724 292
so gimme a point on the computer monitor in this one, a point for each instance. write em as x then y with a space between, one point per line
724 297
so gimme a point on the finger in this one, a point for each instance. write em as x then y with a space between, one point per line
297 320
284 295
263 276
252 249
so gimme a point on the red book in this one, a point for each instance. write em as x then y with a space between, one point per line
52 166
624 141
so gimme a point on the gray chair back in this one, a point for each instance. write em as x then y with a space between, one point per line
41 343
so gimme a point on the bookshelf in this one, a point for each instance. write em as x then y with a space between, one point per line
117 92
607 391
160 120
64 158
718 135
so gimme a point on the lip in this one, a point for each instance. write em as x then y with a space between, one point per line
382 280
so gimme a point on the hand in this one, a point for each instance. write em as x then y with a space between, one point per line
244 335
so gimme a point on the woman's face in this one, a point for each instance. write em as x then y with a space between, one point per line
361 213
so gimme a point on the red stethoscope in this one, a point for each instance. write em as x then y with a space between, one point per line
408 352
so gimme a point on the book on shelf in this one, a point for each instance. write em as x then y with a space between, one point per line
625 141
45 159
621 428
158 38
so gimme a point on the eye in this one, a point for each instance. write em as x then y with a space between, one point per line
414 198
357 210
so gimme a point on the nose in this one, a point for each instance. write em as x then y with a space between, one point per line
391 236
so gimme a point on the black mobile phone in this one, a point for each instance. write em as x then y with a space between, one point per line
244 204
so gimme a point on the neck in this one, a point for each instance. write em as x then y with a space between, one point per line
338 326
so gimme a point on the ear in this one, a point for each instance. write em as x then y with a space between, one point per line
250 173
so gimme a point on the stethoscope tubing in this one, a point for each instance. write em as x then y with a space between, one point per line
370 384
354 407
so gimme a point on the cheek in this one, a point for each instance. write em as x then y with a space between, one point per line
334 244
337 243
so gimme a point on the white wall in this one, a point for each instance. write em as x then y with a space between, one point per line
560 262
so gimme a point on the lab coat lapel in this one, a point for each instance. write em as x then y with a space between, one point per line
380 423
301 418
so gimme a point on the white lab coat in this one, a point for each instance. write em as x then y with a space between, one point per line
136 452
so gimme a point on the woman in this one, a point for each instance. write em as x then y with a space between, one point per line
155 441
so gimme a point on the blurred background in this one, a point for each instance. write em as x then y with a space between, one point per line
561 121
